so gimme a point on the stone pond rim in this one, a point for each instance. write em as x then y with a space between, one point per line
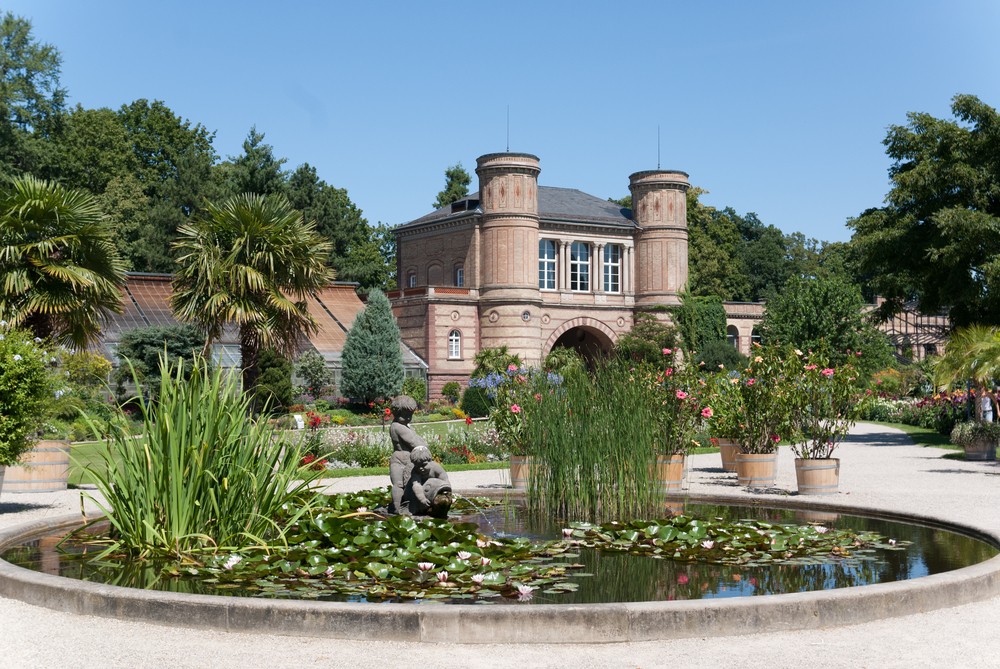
539 623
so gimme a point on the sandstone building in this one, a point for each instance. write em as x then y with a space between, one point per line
533 267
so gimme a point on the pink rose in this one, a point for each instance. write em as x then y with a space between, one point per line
667 351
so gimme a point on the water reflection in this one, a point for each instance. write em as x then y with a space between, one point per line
614 577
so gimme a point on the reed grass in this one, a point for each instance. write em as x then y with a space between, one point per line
206 476
594 438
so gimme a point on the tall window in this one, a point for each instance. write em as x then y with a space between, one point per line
454 344
579 266
411 280
612 268
546 264
459 276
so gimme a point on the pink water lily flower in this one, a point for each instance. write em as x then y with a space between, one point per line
463 555
442 577
485 561
567 532
525 592
425 566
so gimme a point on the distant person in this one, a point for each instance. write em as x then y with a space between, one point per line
986 402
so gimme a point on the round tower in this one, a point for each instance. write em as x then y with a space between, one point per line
509 297
659 207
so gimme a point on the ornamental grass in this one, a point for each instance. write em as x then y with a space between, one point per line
205 477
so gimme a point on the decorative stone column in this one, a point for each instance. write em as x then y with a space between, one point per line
659 205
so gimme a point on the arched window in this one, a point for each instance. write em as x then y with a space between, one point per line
454 345
459 276
411 280
733 336
755 336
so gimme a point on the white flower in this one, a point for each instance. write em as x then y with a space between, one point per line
425 566
362 509
707 544
484 561
478 578
16 357
464 555
3 324
38 340
524 592
822 530
567 532
482 543
232 561
442 576
892 542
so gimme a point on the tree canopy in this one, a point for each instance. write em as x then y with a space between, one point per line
456 186
372 360
937 239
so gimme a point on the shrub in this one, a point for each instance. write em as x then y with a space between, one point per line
311 368
361 448
274 385
25 389
475 402
415 388
720 352
452 391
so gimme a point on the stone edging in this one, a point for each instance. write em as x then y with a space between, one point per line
539 623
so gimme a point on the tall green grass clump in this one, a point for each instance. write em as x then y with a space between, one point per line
594 437
206 476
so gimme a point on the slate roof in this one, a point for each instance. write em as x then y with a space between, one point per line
146 302
554 204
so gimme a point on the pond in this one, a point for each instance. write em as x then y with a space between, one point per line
601 576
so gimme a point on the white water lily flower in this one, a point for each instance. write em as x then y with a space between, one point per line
425 566
822 530
232 561
442 576
484 561
892 542
478 578
567 532
464 555
707 544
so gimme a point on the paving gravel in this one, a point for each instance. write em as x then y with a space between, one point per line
880 469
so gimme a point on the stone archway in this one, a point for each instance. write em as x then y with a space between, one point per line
590 338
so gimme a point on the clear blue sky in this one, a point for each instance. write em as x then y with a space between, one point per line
778 108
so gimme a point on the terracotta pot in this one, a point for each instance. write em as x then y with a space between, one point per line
817 476
757 470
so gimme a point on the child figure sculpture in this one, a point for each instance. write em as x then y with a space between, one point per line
429 492
404 440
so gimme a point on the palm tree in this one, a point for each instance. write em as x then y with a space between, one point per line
252 262
60 274
972 354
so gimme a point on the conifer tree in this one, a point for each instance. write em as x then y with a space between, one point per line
372 361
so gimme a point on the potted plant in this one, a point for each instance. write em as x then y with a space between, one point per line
682 407
978 438
761 401
726 420
25 390
507 391
824 406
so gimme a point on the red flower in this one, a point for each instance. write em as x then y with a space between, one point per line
468 420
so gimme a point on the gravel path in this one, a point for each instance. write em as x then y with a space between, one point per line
880 468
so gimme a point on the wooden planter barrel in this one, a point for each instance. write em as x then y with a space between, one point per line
817 476
729 449
757 470
45 468
520 471
668 473
981 449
